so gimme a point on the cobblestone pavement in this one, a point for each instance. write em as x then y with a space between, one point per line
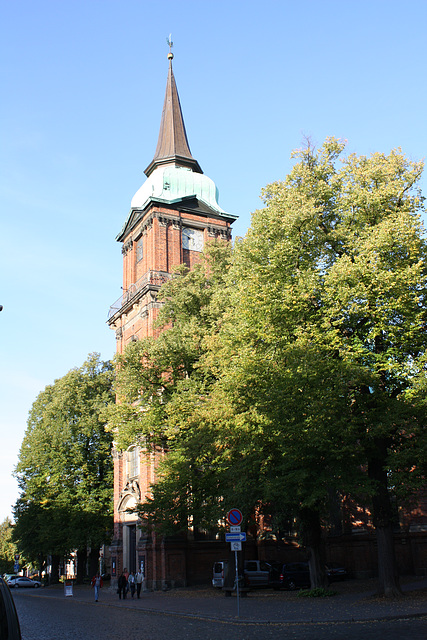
47 614
44 616
350 604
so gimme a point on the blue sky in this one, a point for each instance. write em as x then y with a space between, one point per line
82 87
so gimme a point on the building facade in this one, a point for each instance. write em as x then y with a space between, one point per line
172 216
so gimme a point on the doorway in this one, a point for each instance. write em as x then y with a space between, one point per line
132 547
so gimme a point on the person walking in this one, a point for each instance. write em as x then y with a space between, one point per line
96 584
126 575
139 579
122 586
131 583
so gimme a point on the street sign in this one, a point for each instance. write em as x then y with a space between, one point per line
234 517
235 537
235 529
236 546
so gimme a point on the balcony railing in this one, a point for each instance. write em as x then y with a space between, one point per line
155 278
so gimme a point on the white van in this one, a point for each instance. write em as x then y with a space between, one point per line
219 571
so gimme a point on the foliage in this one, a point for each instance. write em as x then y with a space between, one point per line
65 467
316 593
300 371
8 548
330 293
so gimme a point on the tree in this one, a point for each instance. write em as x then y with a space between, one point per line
8 548
65 470
331 277
300 372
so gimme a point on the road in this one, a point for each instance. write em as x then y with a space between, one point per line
46 618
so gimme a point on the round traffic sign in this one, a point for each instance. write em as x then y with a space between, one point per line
234 517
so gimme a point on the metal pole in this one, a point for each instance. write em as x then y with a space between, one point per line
237 587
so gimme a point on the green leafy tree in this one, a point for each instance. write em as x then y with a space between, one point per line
8 548
299 373
330 297
65 470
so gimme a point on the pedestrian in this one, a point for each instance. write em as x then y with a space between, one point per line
96 584
139 579
122 586
131 583
126 575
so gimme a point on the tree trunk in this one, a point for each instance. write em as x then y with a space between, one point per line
81 565
93 562
313 541
41 565
388 578
54 576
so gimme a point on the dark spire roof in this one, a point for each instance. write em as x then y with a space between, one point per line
172 146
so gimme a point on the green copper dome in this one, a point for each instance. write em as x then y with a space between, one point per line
169 183
174 175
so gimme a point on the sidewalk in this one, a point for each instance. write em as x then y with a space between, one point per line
264 606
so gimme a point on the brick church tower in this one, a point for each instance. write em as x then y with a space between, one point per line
172 216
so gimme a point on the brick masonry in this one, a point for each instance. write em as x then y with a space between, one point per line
152 248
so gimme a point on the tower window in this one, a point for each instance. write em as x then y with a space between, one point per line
133 462
139 250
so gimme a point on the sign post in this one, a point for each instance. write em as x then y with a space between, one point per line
235 537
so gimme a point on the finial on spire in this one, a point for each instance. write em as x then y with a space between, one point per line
170 45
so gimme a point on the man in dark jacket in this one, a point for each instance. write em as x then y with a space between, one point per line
122 586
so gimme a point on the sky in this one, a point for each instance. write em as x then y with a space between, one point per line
82 88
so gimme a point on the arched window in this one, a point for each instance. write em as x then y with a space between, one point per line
133 462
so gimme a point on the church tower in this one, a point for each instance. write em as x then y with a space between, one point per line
173 214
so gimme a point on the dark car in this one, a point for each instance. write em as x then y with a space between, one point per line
291 575
23 581
9 623
335 571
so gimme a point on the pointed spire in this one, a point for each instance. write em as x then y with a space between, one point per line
172 146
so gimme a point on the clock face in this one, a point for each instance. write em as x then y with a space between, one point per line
192 239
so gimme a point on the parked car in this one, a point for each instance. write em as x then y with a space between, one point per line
218 573
256 573
335 571
9 623
23 581
291 575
